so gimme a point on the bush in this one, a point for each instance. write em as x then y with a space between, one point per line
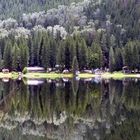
24 70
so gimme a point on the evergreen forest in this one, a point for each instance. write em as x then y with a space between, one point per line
94 33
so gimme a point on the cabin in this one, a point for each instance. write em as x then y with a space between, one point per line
5 71
58 68
35 69
98 72
49 70
87 71
65 71
77 73
125 69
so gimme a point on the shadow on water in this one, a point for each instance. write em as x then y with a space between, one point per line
70 109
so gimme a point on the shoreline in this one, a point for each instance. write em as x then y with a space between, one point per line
115 75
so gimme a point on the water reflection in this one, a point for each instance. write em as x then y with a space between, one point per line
70 109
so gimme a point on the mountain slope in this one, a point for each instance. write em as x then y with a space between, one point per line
15 8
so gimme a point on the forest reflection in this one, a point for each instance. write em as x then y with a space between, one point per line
70 109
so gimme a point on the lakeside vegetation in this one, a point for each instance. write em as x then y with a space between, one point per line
106 75
69 69
16 8
91 32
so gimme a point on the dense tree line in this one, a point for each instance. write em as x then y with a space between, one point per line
94 34
42 49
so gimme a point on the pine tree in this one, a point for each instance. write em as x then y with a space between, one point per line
70 46
24 54
105 50
111 60
75 66
52 53
1 60
15 56
128 55
67 57
118 58
7 58
135 55
44 59
95 55
83 55
36 44
61 55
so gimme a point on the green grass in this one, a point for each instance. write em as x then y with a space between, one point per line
9 75
47 75
119 75
115 75
86 75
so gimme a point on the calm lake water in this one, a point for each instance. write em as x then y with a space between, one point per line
91 109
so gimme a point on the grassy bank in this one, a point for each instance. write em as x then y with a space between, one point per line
119 75
9 75
47 75
116 75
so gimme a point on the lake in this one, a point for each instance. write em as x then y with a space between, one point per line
70 109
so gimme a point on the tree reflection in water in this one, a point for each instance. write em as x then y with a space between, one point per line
70 110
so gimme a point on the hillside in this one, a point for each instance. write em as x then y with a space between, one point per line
15 8
96 34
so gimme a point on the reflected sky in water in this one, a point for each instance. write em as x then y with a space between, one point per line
69 109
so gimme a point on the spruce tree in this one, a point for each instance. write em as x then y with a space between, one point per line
15 56
118 58
44 59
60 54
75 66
111 60
7 58
95 56
67 57
83 54
24 54
52 53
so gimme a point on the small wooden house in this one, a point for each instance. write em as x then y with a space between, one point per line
65 71
125 69
87 71
5 71
98 71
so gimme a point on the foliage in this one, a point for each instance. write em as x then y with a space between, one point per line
101 34
75 66
24 70
15 8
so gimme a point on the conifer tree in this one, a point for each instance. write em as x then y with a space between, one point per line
83 54
44 59
15 56
95 56
52 53
75 66
7 58
111 60
24 55
60 54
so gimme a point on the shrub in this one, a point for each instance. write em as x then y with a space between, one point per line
24 70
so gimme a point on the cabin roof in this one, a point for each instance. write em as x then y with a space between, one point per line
35 69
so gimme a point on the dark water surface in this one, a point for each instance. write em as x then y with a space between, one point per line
90 109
